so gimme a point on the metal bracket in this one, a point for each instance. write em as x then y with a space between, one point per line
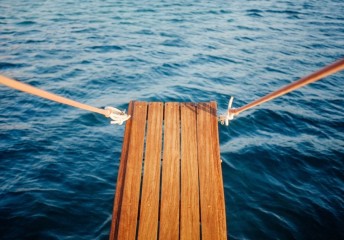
224 119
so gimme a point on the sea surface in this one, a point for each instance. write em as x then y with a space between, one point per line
283 162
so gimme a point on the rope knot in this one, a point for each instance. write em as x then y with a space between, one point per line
116 115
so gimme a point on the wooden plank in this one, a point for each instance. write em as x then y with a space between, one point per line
170 189
189 219
131 192
207 169
120 177
192 202
148 225
208 217
220 197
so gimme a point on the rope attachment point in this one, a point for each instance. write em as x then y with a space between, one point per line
225 118
116 115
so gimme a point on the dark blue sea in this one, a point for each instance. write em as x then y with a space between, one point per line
283 162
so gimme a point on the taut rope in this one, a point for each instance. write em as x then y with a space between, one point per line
116 115
315 76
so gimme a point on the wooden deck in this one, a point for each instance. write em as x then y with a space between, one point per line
169 182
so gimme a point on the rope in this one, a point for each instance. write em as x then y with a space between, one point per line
315 76
118 116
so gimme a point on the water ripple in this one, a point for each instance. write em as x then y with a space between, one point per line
282 161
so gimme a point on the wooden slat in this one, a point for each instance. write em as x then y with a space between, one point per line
148 225
208 217
189 219
220 200
121 176
131 192
192 196
207 158
170 192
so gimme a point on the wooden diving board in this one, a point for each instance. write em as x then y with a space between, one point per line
169 183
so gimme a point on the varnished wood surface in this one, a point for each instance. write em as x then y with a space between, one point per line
190 214
149 209
170 187
132 180
169 182
120 177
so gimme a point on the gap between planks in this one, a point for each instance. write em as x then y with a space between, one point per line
170 194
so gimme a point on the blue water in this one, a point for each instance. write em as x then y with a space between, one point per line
283 162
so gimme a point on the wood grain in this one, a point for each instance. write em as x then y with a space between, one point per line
208 160
131 192
149 210
170 191
120 177
190 219
218 187
182 196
